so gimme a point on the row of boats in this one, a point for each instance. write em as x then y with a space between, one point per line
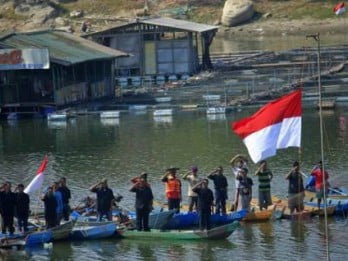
168 224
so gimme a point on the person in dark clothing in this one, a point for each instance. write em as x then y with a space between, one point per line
105 199
143 203
296 189
50 208
205 203
8 202
66 195
22 208
245 189
220 185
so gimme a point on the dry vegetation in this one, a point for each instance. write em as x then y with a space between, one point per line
204 11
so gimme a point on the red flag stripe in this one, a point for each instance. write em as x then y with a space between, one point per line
43 165
338 6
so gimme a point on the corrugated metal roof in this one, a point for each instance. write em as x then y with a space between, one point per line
180 24
164 22
64 48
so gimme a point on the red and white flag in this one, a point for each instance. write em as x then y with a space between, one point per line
37 181
339 8
277 125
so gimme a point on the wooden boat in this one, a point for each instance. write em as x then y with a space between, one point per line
163 112
83 230
326 104
62 231
255 216
38 238
109 114
220 232
186 220
12 242
163 99
57 116
216 110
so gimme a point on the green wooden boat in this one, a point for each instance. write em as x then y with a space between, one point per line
220 232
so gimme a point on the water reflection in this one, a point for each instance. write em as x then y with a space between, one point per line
165 120
216 117
110 122
57 124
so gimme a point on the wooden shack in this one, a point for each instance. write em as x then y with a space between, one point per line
79 71
162 48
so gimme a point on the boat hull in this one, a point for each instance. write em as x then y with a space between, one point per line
220 232
93 230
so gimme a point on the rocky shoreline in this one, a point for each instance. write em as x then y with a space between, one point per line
283 27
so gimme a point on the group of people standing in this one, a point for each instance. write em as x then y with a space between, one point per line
56 201
17 204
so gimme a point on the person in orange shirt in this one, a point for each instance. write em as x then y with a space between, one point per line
320 176
173 188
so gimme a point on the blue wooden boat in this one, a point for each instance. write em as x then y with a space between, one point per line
187 220
85 230
38 238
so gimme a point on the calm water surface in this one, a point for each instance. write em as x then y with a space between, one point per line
87 149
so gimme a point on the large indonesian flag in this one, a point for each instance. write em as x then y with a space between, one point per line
277 125
339 8
37 181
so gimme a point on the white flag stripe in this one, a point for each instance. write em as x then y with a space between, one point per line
264 143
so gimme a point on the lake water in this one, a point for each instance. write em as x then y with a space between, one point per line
87 149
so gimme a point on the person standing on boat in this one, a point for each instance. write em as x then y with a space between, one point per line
143 202
245 189
220 185
173 188
192 178
59 198
105 199
8 202
265 176
22 208
66 195
237 163
205 203
50 208
319 175
296 189
143 176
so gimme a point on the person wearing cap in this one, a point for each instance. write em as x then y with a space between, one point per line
220 186
205 203
8 201
265 176
22 208
245 189
105 199
50 204
237 163
320 176
192 179
66 195
143 203
173 188
296 189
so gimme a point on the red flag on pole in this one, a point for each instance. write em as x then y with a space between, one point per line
37 181
339 8
277 125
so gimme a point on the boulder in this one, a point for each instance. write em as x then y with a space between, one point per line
76 13
236 12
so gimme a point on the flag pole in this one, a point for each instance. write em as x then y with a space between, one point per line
316 37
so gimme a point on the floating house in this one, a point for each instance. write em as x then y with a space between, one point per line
162 49
78 71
